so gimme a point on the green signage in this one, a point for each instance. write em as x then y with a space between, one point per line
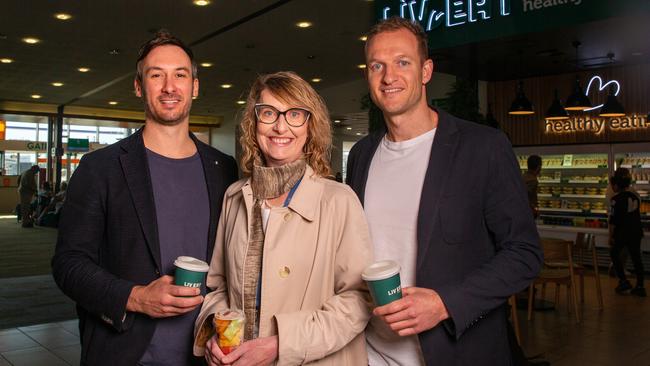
78 145
455 22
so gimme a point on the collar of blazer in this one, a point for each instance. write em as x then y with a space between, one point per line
136 173
441 160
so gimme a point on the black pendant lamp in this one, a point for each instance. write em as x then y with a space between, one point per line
578 100
521 105
612 107
556 111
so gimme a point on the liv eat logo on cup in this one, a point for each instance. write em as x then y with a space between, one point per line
190 271
383 281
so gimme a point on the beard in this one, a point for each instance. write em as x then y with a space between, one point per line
165 119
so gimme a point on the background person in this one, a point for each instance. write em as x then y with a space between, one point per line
306 303
625 231
531 181
27 188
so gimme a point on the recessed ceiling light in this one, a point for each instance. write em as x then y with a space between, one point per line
201 2
112 102
361 66
6 60
348 128
83 69
303 24
358 133
31 40
226 86
206 64
316 80
241 102
363 38
62 16
57 83
337 121
36 96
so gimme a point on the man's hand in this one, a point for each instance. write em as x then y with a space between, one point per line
258 352
418 310
161 298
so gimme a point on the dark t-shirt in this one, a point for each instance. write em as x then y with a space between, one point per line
625 216
183 218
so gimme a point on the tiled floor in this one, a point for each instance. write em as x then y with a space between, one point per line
50 344
618 335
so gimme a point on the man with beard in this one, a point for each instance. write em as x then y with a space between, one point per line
131 209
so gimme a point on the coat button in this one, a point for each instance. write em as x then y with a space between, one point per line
284 272
287 217
157 272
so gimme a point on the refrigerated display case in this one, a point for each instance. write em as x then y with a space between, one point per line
573 191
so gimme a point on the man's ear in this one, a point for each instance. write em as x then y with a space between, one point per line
195 88
137 88
427 70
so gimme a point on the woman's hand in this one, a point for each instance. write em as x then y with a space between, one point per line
213 354
258 352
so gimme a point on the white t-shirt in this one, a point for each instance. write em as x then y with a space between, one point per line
391 203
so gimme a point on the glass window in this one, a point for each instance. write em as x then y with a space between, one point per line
110 135
83 132
42 132
11 163
24 131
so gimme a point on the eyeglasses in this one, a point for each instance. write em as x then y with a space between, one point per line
268 114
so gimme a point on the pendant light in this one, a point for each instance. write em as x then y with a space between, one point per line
578 100
521 105
612 107
556 111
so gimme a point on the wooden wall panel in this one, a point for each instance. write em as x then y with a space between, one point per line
529 130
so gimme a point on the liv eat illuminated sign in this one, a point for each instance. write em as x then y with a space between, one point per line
455 12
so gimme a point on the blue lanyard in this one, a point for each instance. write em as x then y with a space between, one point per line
291 192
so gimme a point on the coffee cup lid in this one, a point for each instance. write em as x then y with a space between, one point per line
191 264
380 270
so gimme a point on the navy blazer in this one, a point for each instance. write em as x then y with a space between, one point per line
477 241
108 243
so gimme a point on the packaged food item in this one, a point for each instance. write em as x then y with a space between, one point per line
230 329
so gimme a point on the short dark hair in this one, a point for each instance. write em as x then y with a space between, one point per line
163 38
622 178
396 23
534 162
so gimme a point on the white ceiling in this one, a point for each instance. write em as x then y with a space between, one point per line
268 42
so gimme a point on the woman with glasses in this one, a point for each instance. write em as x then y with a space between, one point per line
291 243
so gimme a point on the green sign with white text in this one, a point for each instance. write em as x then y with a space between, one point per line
455 22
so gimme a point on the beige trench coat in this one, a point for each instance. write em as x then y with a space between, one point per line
313 296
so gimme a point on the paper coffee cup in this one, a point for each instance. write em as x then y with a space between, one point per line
383 281
190 272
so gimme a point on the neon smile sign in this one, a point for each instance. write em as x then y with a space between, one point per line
601 87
